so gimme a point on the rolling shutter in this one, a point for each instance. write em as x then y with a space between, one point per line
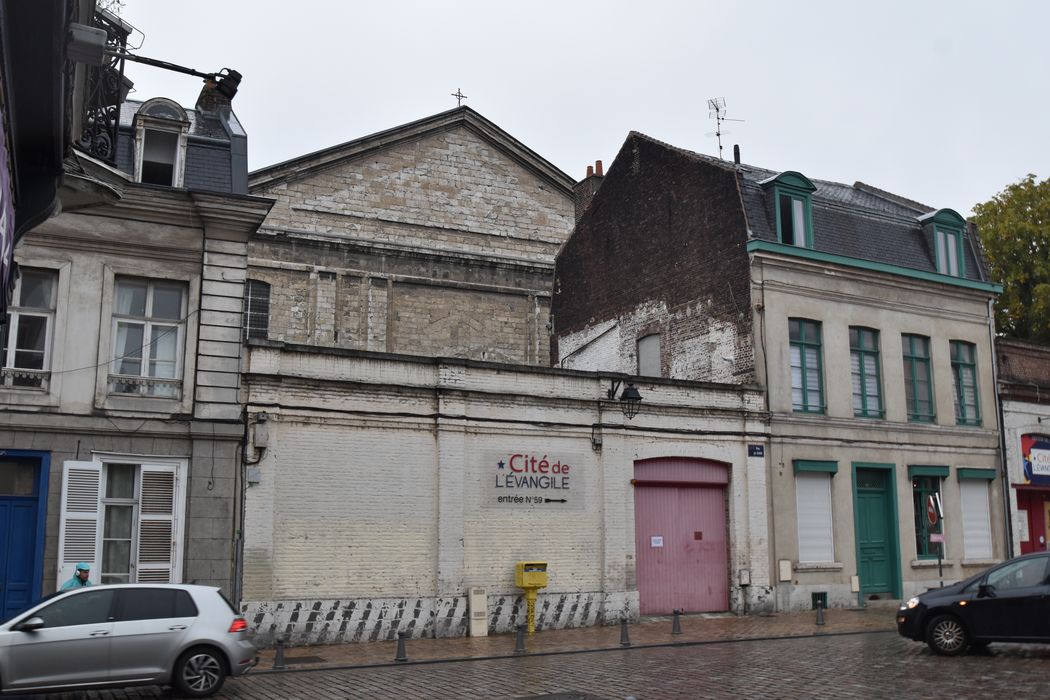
976 516
815 540
79 526
157 539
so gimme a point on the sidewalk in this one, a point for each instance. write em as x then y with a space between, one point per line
651 631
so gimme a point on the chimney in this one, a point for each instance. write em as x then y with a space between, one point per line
218 91
586 188
736 153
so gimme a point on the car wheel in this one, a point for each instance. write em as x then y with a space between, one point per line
946 635
199 673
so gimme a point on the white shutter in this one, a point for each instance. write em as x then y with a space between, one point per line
78 528
977 520
157 539
815 535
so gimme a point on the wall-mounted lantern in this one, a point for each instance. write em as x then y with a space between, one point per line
630 399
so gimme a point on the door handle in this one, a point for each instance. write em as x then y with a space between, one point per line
100 633
177 627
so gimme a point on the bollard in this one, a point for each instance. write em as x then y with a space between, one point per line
676 626
401 655
625 641
278 657
820 612
519 643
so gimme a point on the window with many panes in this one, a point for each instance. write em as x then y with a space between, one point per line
964 383
256 309
26 336
918 381
865 369
807 372
148 328
922 488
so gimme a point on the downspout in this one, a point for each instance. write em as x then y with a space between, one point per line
1003 466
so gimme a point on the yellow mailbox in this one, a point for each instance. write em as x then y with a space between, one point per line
530 576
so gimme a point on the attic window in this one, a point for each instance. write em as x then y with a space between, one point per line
793 209
949 251
946 227
161 127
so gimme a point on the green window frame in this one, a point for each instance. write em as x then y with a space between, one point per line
792 207
918 379
949 250
807 366
866 371
964 383
922 487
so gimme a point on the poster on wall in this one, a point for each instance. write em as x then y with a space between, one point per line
533 481
1035 458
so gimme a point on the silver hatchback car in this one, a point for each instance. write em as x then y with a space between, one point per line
122 635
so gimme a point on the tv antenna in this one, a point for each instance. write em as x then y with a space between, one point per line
717 105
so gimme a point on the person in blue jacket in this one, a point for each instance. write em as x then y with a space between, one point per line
80 577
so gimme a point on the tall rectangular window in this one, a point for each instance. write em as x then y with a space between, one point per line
922 488
25 339
977 519
815 533
122 518
949 251
792 219
807 372
256 309
918 382
964 383
865 368
148 327
159 155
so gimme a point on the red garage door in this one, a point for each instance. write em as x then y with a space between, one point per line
680 535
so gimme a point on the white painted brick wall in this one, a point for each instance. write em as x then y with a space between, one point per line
370 501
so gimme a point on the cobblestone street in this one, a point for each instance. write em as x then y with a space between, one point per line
864 665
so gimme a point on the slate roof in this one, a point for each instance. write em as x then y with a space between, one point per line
202 125
857 221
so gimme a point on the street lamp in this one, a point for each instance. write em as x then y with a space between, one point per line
630 399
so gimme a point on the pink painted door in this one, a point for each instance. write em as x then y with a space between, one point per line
680 541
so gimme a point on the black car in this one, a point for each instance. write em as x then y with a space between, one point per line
1009 602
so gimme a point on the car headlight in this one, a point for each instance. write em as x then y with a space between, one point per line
912 602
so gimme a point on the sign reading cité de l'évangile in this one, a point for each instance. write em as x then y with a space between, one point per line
533 480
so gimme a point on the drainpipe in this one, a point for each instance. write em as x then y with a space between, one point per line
1003 466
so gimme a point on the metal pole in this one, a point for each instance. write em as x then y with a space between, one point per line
820 612
278 657
625 640
519 643
401 655
676 625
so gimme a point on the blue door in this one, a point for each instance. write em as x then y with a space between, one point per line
21 530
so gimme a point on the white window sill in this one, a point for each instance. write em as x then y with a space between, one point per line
930 563
818 566
980 562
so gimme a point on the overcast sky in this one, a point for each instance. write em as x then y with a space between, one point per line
942 102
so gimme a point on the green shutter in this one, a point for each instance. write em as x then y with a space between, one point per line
925 470
814 465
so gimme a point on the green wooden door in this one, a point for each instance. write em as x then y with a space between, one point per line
875 528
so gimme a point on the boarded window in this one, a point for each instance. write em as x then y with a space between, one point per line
815 533
649 356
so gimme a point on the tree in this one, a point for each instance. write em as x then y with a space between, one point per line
1014 227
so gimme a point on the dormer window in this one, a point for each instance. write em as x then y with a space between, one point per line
161 127
947 227
792 208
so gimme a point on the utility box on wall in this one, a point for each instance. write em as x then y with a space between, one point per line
479 612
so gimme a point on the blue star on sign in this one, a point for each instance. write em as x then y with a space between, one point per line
500 463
